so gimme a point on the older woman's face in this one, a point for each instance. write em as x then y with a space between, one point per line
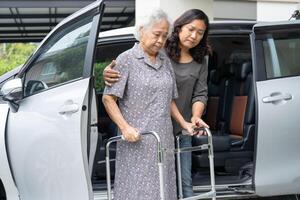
191 34
153 38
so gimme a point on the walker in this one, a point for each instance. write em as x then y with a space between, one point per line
160 150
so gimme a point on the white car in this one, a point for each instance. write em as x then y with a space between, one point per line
53 126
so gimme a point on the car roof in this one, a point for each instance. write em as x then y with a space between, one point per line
279 24
231 27
224 27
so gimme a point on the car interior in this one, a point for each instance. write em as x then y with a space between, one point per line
229 113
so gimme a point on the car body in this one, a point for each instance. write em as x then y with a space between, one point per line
54 127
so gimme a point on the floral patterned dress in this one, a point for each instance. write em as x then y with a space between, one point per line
145 92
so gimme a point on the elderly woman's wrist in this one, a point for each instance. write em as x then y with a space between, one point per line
123 126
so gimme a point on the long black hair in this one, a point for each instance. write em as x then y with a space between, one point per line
172 44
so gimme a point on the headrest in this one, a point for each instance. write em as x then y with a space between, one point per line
214 76
224 71
243 70
239 56
235 60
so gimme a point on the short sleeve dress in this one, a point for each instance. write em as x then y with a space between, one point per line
145 92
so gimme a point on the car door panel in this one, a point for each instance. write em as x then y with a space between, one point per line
46 160
5 172
277 78
277 163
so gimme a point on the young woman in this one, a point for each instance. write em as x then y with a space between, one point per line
188 50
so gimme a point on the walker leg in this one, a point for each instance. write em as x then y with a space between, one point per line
179 178
211 194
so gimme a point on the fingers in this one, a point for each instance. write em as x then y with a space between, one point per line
129 138
132 135
138 135
200 133
134 138
111 80
190 128
110 73
201 123
109 68
112 64
110 76
107 83
205 124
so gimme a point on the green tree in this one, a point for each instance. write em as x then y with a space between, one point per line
98 70
14 54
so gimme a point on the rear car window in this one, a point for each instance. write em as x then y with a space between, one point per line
281 54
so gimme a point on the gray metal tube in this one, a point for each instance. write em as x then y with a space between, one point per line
209 146
159 160
107 162
211 163
180 194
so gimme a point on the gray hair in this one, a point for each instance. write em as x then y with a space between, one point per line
147 21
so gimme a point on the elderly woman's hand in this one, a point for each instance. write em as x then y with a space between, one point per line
130 134
110 76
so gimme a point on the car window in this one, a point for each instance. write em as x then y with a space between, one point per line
228 50
281 55
62 58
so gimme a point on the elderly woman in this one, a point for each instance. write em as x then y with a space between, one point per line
145 91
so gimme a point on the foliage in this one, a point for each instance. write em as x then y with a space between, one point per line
14 54
98 70
71 60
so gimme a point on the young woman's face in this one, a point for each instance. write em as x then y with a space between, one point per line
191 34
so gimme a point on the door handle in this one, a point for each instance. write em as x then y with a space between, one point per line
277 97
68 109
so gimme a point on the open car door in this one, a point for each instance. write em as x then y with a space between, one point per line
276 65
10 190
48 136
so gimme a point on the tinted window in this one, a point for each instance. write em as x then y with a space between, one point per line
62 59
281 55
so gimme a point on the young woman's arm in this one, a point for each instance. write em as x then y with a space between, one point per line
197 112
179 119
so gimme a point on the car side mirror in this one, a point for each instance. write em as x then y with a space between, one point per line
12 91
